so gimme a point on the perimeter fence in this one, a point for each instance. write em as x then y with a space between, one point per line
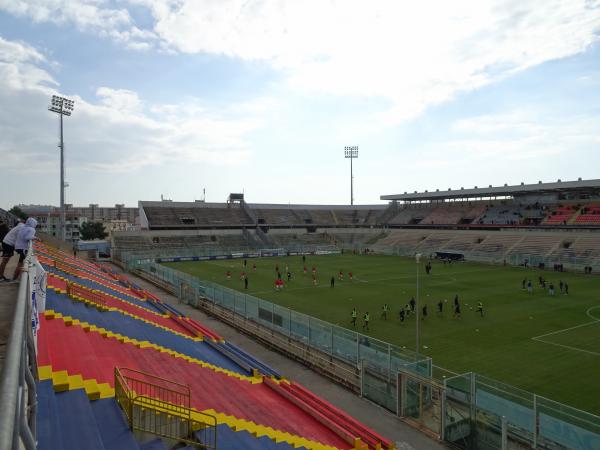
468 410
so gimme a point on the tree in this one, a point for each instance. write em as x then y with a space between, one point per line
18 212
92 230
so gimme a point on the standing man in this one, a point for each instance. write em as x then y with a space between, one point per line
440 308
480 308
246 282
8 248
354 315
401 314
26 235
457 310
424 315
412 304
384 311
332 282
366 318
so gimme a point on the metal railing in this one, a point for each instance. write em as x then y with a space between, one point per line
489 401
162 407
19 373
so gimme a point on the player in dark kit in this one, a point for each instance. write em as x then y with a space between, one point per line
457 310
480 308
424 315
353 315
440 306
412 304
401 314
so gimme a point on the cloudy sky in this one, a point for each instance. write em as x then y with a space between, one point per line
176 96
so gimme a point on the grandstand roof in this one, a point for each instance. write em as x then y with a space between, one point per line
199 204
581 186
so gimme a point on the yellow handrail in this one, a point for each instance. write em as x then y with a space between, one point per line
170 413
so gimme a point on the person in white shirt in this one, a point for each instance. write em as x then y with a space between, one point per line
8 248
25 235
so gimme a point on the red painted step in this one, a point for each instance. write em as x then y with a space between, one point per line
228 395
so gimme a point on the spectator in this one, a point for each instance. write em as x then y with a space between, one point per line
8 248
26 234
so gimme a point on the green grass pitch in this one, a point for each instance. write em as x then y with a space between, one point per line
547 345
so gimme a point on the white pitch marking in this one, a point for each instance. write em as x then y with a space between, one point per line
567 346
594 321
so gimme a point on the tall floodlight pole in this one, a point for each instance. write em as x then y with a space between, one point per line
63 107
417 258
351 152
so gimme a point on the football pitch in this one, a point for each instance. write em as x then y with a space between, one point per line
546 344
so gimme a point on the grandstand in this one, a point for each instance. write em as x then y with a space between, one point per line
120 369
102 337
501 224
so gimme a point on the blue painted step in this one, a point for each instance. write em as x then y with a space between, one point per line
228 439
155 444
252 361
111 423
48 434
77 423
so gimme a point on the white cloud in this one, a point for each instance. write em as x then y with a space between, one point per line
86 15
117 133
119 99
522 135
413 54
20 67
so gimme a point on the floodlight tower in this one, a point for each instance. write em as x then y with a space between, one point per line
351 153
417 259
63 107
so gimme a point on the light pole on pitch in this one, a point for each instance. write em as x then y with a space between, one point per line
417 259
351 153
63 107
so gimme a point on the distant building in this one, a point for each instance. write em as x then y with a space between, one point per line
114 218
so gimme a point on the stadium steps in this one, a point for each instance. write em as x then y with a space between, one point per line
345 426
92 274
229 439
199 354
154 444
59 285
69 421
576 214
244 359
132 328
238 398
265 434
99 285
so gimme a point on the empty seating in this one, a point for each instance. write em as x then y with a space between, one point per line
80 343
561 215
536 245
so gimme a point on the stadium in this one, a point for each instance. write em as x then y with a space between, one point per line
278 312
509 370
